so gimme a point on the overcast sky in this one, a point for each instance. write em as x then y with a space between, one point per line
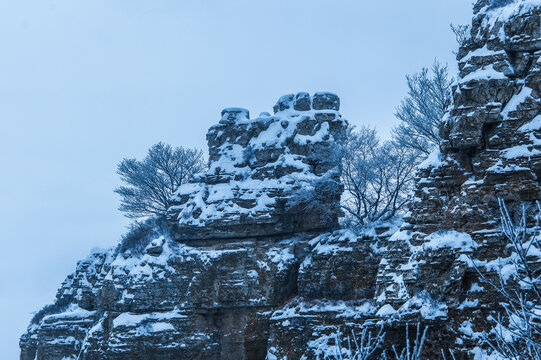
85 83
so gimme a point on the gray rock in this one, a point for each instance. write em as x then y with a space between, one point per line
233 115
155 248
285 102
211 295
326 101
479 161
243 272
256 168
302 102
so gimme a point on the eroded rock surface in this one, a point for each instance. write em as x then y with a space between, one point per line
205 284
257 166
491 149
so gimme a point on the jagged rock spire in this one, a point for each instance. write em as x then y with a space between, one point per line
257 166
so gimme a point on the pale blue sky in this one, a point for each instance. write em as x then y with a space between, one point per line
85 83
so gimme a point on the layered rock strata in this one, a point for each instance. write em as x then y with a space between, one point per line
491 149
259 166
206 283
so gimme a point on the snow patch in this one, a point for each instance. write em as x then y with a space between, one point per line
533 125
450 239
433 160
516 100
386 311
484 73
131 319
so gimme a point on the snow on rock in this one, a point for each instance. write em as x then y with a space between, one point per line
123 297
386 311
451 239
484 73
129 319
256 165
498 11
433 160
340 265
535 124
490 148
340 309
281 257
521 151
244 269
423 304
514 103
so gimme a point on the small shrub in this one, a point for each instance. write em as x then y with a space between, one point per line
141 233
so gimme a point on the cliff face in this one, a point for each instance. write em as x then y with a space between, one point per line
259 167
490 150
248 264
206 283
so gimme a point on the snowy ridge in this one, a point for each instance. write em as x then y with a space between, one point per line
493 15
504 13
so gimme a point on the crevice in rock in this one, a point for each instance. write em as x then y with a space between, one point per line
487 132
467 156
520 70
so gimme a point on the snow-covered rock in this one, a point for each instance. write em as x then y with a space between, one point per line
257 165
163 295
491 148
249 265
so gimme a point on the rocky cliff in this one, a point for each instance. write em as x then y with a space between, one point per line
249 263
490 150
206 281
259 169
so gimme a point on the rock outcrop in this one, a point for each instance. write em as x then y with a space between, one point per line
491 150
261 169
235 248
249 263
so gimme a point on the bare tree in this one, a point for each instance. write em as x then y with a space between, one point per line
412 351
517 332
461 33
359 347
376 176
151 181
423 109
366 346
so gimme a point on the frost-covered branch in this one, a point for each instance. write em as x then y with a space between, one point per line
149 183
359 347
366 346
461 33
517 332
412 351
423 108
376 176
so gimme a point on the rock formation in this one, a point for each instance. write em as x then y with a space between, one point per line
249 264
257 165
206 283
490 150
